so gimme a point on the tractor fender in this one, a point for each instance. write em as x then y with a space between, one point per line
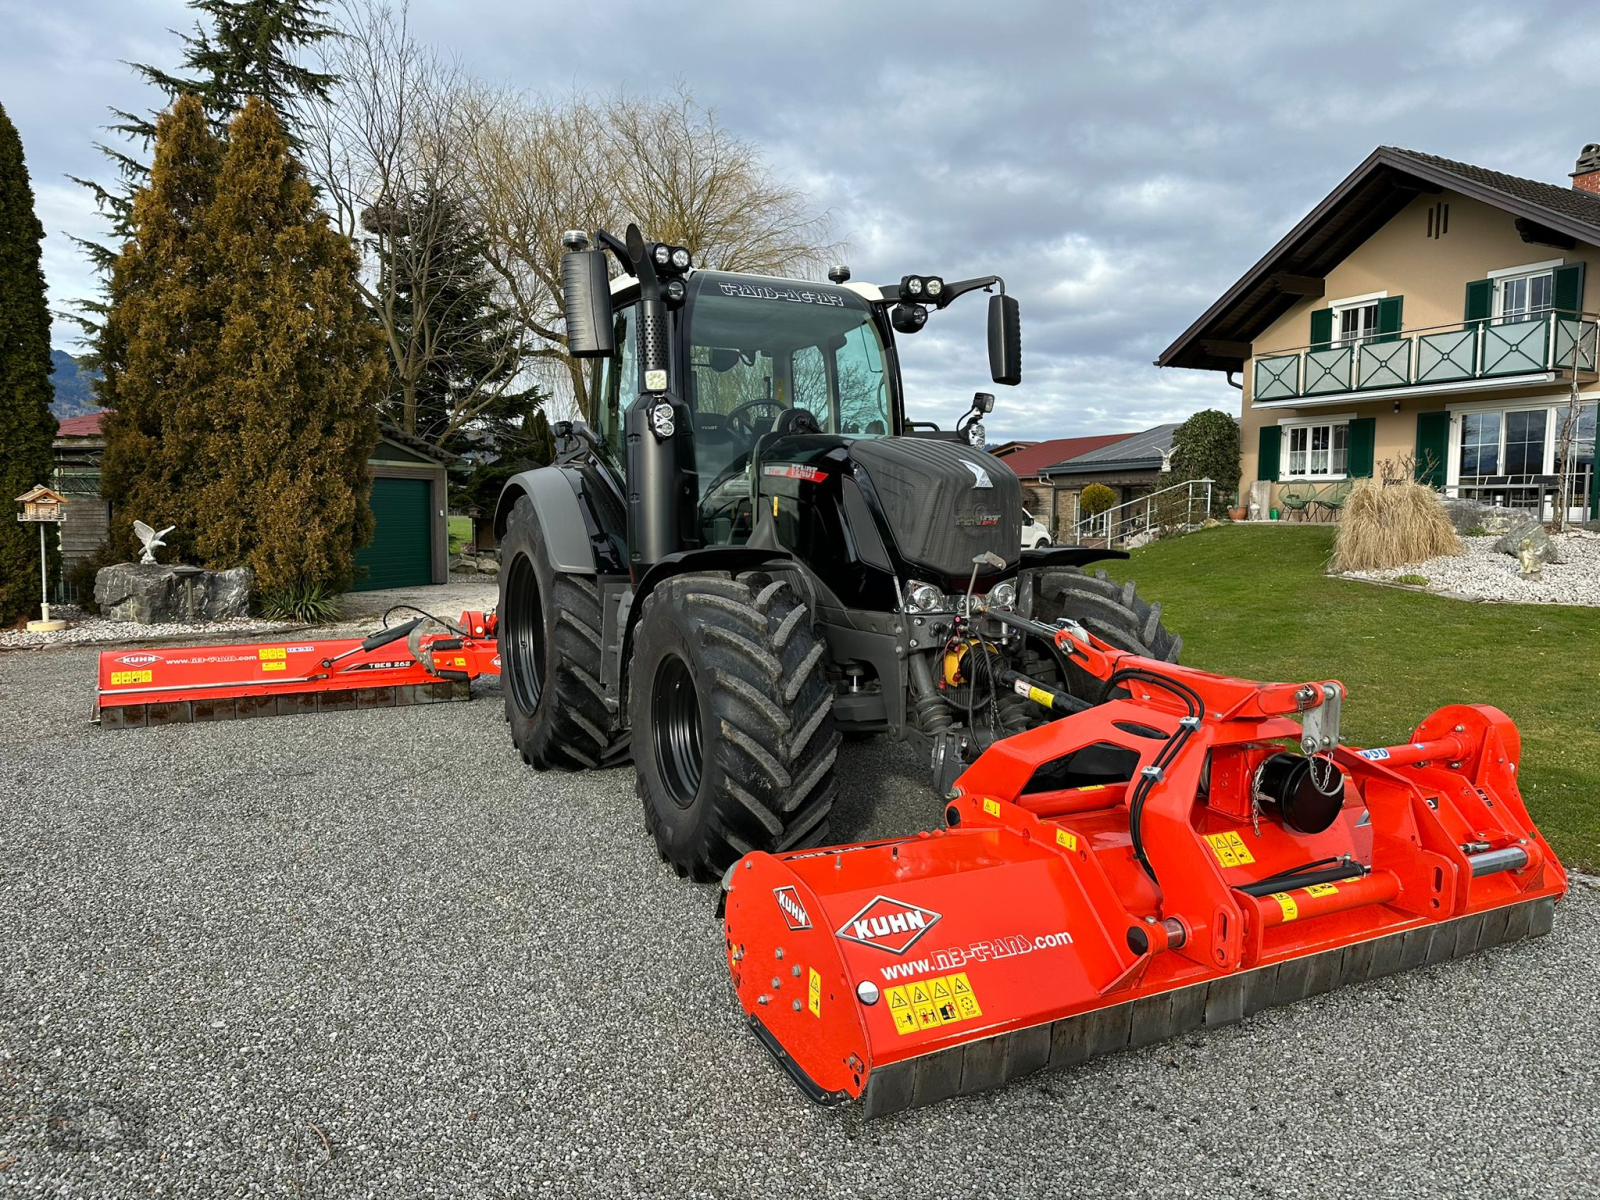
1068 556
732 559
562 520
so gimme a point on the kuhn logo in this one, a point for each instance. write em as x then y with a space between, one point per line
794 913
137 660
890 925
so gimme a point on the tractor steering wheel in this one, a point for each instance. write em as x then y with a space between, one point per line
738 420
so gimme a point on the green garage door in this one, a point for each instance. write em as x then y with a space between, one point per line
399 554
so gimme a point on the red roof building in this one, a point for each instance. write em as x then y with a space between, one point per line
1030 460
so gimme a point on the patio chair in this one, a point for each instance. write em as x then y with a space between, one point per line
1295 501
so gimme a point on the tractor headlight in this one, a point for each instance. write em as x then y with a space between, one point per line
674 292
913 285
976 433
908 318
662 254
680 258
924 597
935 287
661 421
1003 595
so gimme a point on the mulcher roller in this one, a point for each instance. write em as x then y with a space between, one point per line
1163 862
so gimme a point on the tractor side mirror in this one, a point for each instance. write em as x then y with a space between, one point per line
586 304
1005 340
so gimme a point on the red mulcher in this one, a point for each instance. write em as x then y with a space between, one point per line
1155 864
177 684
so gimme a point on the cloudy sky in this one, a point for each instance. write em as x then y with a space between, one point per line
1119 164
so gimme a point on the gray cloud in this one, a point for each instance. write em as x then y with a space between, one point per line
1120 165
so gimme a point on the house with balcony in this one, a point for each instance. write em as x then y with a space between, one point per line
1429 313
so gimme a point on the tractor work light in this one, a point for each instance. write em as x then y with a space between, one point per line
924 597
976 434
680 259
908 318
661 421
922 287
662 254
674 292
913 286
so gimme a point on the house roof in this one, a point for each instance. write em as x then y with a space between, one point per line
1035 457
1143 451
1386 181
84 426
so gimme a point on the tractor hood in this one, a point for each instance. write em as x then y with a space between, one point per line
944 502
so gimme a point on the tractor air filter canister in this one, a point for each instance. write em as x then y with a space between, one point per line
1288 784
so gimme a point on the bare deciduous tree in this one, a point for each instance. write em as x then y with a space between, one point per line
540 166
384 152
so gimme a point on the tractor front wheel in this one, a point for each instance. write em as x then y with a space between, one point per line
732 722
1114 612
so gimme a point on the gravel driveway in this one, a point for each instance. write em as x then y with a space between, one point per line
370 954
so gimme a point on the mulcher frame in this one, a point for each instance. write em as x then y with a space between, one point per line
1072 947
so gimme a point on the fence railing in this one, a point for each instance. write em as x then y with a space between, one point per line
1465 350
1181 506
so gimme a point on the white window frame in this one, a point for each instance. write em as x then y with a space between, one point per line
1285 424
1338 308
1505 275
1552 406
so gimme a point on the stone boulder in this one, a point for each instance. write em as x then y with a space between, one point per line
1527 542
167 594
1475 514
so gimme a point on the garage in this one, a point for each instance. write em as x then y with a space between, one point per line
409 538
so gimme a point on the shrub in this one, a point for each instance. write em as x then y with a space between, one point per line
1413 580
1392 526
1095 499
1206 446
307 603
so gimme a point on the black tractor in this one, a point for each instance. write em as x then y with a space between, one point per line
750 552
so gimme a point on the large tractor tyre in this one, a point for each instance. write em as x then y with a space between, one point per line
732 719
549 641
1114 612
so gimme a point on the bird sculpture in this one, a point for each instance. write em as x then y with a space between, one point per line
151 540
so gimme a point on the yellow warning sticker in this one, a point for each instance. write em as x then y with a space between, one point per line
930 1003
1291 910
815 1003
1069 840
774 506
1322 889
1041 697
965 1000
899 1000
1229 849
267 652
1091 787
119 678
992 807
273 666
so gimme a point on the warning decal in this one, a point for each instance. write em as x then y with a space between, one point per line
815 1003
1322 889
1291 910
267 652
1063 838
992 807
1229 849
930 1003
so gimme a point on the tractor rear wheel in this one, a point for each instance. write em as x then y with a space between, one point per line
732 721
549 640
1114 612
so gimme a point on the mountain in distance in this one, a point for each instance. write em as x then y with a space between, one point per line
74 387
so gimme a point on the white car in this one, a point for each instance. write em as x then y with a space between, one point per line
1034 534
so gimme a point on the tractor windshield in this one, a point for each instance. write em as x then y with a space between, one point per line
760 346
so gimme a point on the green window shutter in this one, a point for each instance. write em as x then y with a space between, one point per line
1567 288
1321 328
1267 459
1480 300
1433 447
1388 318
1358 454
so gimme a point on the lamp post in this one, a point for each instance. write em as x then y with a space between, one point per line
41 506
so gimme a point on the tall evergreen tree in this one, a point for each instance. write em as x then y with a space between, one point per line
298 376
26 426
249 50
159 346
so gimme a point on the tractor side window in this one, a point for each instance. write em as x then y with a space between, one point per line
615 389
811 385
863 389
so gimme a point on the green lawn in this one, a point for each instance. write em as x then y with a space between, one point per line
1255 603
460 533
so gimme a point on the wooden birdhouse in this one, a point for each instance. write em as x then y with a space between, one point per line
40 504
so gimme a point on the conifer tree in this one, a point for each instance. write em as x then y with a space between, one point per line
26 425
159 345
298 375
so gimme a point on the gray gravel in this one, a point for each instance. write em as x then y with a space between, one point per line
369 954
1483 573
83 630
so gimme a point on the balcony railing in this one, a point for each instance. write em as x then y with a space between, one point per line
1436 354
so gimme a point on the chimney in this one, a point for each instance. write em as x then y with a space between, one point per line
1586 176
